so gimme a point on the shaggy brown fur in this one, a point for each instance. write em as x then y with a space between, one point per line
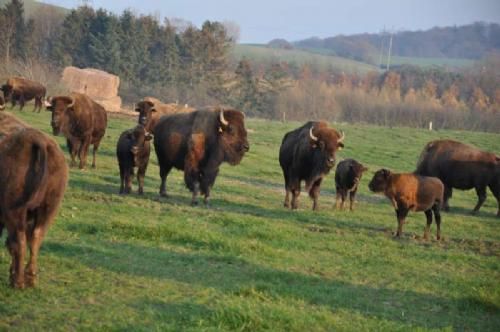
411 192
83 123
463 167
33 177
347 177
19 89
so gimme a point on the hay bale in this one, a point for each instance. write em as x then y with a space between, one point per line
170 108
95 83
111 104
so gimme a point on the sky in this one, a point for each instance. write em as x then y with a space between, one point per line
263 20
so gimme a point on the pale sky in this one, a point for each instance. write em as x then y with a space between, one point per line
262 20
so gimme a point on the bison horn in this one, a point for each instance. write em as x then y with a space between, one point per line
48 102
314 138
222 119
341 138
72 102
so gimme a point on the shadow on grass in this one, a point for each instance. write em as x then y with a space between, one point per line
233 275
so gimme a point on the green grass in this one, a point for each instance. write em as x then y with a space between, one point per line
263 54
429 62
147 263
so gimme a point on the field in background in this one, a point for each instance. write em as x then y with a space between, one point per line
135 263
263 54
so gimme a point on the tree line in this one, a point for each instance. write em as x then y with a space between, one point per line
181 62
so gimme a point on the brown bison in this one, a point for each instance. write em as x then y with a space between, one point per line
347 177
33 176
132 150
198 142
463 167
308 153
81 120
411 192
18 89
151 110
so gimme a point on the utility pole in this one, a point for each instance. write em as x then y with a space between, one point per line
382 35
389 53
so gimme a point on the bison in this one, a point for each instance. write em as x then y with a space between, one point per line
33 177
198 142
151 110
347 177
132 150
408 191
19 89
308 153
463 167
82 121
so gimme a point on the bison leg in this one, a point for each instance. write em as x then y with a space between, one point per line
428 215
352 198
163 175
481 197
94 151
84 150
141 172
122 180
437 216
35 241
21 103
16 243
74 148
448 192
38 104
314 193
206 183
401 214
495 189
286 203
295 189
337 198
128 180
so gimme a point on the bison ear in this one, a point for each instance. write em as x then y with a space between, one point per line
340 146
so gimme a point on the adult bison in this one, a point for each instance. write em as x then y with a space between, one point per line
33 176
151 110
19 89
81 120
308 153
463 167
198 142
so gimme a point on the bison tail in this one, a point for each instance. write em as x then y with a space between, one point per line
36 177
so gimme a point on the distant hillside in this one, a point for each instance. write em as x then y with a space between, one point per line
471 41
265 54
31 7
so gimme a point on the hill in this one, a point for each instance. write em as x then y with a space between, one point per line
473 41
144 263
266 55
31 7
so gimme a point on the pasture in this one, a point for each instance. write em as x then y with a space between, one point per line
135 263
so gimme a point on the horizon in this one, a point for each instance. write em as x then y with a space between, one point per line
278 20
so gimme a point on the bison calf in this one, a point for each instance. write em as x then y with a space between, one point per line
411 192
347 177
132 150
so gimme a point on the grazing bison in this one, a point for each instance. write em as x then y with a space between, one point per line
411 192
151 110
81 120
33 176
347 177
18 89
132 150
308 153
198 142
463 167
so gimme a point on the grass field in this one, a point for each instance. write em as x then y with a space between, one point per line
146 263
263 54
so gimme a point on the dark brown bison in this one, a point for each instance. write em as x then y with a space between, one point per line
81 120
151 110
198 142
33 176
411 192
463 167
132 150
18 89
347 177
308 153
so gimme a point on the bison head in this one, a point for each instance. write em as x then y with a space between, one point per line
140 137
325 142
7 92
379 180
145 109
232 135
58 105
